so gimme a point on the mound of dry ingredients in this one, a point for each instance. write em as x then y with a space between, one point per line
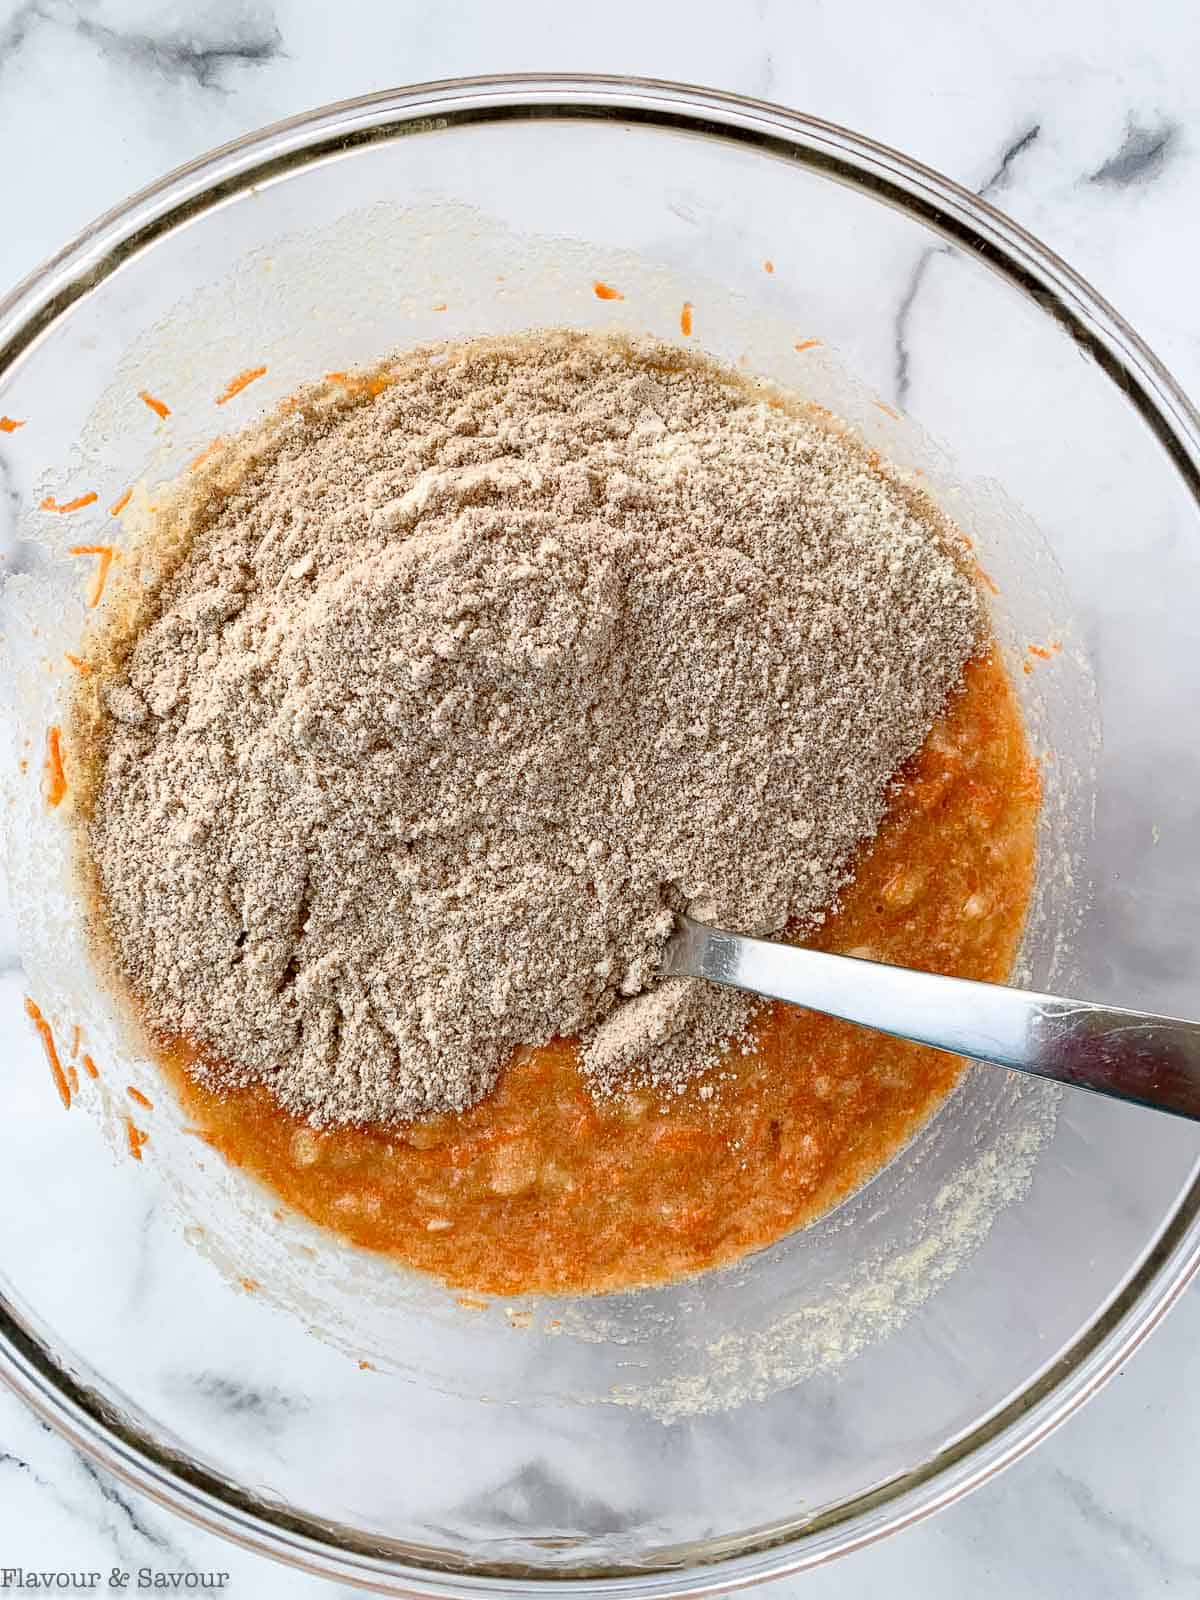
460 687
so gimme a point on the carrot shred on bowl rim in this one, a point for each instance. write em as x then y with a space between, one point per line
56 777
242 381
605 291
135 1138
34 1012
80 500
118 506
159 407
107 555
11 424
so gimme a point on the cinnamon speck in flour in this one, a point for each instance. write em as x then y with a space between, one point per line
450 688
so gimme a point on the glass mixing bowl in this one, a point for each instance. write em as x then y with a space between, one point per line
312 1402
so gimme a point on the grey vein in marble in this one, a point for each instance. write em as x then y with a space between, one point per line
7 1459
999 179
141 1282
1141 158
534 1496
269 1409
177 55
96 1480
1120 1530
18 27
10 502
128 1519
173 55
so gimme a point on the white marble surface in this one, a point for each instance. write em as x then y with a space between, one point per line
1083 121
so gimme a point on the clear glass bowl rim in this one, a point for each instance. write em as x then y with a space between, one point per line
31 1369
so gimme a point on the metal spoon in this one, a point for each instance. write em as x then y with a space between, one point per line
1127 1055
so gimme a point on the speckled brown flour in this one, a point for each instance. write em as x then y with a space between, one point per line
455 684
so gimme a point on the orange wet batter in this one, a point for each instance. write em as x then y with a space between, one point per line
541 1188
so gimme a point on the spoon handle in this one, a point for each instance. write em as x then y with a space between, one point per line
1128 1055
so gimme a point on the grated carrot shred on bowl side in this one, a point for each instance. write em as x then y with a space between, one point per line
159 407
56 777
242 381
135 1138
107 555
34 1012
81 500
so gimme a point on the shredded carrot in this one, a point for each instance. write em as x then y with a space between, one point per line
76 1035
366 1366
136 1094
605 291
56 778
251 1285
78 663
10 424
1026 668
135 1139
768 266
242 381
159 407
73 1078
199 460
372 386
887 409
806 344
470 1303
107 555
685 320
441 306
51 504
23 764
33 1011
89 1066
118 506
1043 652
